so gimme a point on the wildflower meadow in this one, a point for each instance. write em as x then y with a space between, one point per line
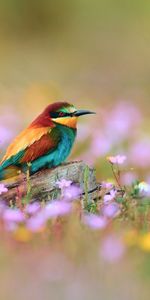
101 237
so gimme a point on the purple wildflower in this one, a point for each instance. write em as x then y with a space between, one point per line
69 191
109 197
13 215
3 189
55 209
111 210
118 159
112 249
63 183
107 185
51 210
95 221
32 208
36 223
73 192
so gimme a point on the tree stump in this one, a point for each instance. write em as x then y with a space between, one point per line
42 185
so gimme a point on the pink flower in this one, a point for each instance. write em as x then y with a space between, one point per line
36 223
3 189
109 197
111 210
52 210
13 215
73 192
106 185
32 208
69 191
63 183
112 249
95 221
55 209
118 159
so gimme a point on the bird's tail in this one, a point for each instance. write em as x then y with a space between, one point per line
8 172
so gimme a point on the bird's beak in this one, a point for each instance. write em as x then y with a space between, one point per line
82 112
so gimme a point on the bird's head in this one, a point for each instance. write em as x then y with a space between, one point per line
61 113
66 114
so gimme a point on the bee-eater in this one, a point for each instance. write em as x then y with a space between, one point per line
46 143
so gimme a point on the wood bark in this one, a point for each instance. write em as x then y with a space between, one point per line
42 185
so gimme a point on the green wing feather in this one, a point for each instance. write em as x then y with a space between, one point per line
37 149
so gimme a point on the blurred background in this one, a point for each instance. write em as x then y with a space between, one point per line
96 55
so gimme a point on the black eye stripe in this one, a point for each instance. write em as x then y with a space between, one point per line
59 114
54 115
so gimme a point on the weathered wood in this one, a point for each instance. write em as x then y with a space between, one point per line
42 185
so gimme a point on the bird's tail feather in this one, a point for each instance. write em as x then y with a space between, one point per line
8 172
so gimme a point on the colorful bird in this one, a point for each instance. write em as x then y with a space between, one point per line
46 143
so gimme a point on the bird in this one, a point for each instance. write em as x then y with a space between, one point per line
45 143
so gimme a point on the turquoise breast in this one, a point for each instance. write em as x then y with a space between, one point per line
60 153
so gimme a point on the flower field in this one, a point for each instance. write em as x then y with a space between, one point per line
106 237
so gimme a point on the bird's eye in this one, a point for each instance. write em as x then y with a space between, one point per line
61 114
